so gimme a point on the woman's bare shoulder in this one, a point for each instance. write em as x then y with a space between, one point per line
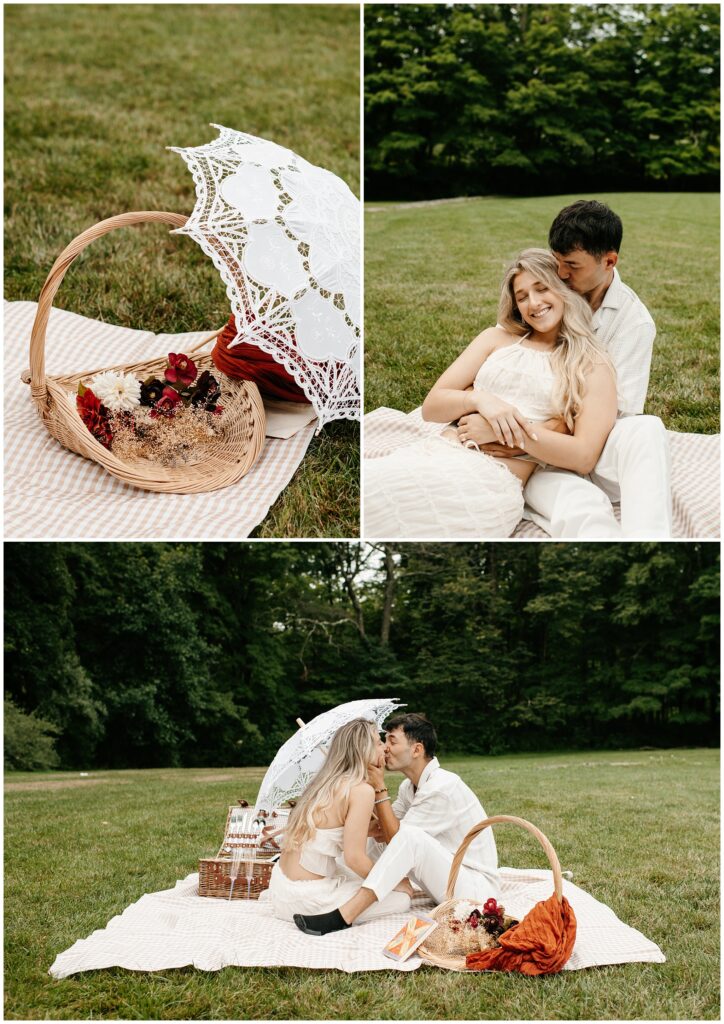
362 792
495 337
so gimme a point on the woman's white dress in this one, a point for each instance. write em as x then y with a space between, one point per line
435 488
322 856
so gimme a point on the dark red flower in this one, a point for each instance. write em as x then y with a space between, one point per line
180 369
167 403
207 392
151 391
94 416
490 906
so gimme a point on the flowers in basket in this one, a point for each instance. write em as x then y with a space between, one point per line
465 927
164 420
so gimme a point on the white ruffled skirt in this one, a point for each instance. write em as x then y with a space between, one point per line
434 488
318 896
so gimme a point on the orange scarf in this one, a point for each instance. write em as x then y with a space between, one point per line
249 362
541 944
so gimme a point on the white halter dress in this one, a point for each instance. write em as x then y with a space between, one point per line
322 855
435 488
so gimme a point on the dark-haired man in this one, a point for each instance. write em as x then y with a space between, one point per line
634 466
420 832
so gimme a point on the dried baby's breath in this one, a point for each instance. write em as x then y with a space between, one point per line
167 440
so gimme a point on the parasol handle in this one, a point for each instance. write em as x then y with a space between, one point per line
501 819
301 724
37 383
204 341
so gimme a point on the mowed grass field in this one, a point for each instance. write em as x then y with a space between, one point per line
94 94
432 282
638 829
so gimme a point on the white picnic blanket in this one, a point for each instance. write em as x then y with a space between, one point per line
695 470
179 928
53 494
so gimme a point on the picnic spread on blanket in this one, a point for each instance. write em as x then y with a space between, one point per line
284 235
223 916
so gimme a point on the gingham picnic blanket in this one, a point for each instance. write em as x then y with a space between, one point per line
695 470
53 494
179 928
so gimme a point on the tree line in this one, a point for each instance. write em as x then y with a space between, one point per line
161 654
471 99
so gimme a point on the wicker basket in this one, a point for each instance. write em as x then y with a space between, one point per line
215 872
215 879
457 963
222 462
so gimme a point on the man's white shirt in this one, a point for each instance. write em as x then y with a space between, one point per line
446 808
625 328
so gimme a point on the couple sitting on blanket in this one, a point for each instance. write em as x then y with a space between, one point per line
544 407
340 865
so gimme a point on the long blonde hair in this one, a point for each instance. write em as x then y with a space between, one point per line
576 350
351 750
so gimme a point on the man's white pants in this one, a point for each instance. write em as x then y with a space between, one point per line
634 468
414 854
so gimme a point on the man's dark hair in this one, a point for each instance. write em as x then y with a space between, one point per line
586 225
417 728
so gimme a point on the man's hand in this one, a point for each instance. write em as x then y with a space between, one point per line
475 427
376 775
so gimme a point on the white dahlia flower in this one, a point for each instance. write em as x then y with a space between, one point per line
119 392
462 910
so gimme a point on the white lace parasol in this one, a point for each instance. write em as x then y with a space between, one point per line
285 237
300 758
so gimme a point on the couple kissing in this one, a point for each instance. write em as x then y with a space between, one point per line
350 854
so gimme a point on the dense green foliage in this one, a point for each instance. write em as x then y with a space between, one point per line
638 829
467 99
28 740
189 654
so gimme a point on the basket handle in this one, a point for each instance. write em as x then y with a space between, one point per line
499 819
38 388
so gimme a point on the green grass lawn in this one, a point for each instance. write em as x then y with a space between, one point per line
432 282
95 93
638 829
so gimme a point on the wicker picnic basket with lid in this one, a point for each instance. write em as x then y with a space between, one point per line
223 461
430 948
255 874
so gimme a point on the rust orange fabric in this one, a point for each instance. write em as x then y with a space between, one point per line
249 362
541 944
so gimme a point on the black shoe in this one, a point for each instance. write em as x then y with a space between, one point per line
320 924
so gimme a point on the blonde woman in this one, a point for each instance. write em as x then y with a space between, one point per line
324 852
542 383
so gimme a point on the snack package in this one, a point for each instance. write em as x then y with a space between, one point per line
409 937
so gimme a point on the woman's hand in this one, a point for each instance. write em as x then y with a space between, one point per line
509 425
375 831
476 428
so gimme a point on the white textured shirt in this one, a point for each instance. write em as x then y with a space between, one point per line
624 327
446 808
